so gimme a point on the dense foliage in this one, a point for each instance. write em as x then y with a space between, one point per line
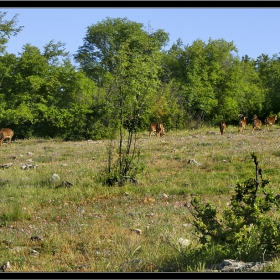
127 79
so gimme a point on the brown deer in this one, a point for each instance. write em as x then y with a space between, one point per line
257 123
6 133
158 128
223 127
241 123
269 121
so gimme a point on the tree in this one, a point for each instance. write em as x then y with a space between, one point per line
104 39
98 59
8 28
268 70
124 60
54 51
43 95
135 85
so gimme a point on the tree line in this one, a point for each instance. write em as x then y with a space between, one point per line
126 79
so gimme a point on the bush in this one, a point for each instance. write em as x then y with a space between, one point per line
248 229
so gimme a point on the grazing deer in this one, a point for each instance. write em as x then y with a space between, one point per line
223 127
158 128
6 133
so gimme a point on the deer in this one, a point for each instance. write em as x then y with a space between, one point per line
158 128
6 133
257 123
223 127
269 121
241 123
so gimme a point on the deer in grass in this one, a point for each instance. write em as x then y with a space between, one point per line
158 128
6 133
269 121
241 123
257 123
223 127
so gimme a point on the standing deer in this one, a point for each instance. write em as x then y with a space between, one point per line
269 121
241 123
6 133
223 127
257 123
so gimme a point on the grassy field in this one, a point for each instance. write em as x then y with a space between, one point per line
47 225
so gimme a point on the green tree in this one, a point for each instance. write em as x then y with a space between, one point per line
104 39
135 86
8 28
268 70
44 95
250 92
98 59
124 60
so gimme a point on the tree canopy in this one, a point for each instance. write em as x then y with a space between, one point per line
124 77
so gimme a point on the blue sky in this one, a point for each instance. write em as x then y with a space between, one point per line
254 31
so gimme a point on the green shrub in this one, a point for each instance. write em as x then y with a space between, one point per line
248 229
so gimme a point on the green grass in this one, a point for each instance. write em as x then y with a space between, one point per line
89 227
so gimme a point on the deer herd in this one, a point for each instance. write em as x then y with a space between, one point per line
158 128
257 123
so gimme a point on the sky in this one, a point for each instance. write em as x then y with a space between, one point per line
254 31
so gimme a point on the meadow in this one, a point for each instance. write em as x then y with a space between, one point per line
71 222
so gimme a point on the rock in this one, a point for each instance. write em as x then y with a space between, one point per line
55 177
6 267
192 161
6 165
34 252
149 215
240 266
28 166
138 231
64 184
36 238
67 184
184 242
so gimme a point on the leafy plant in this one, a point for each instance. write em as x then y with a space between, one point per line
248 229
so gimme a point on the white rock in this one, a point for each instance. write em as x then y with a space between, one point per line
184 242
55 177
